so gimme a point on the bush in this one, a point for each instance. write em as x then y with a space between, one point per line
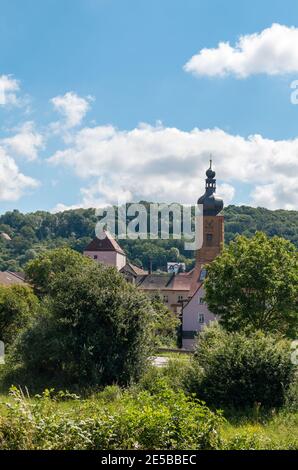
232 369
95 329
168 420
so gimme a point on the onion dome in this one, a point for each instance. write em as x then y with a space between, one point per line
212 204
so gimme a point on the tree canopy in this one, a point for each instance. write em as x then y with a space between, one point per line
41 271
253 284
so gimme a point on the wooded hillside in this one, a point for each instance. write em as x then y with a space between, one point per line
33 232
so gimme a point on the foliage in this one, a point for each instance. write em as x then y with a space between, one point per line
33 233
95 329
165 323
292 395
41 271
18 306
134 419
232 369
253 284
173 375
167 420
272 431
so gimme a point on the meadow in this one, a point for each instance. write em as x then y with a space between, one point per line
153 414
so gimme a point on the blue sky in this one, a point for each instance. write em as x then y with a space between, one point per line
123 124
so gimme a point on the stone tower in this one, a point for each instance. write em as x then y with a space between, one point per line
213 228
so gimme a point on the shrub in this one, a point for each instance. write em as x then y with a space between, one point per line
232 369
168 420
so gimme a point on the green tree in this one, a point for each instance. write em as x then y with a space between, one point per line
253 284
239 370
41 271
18 306
96 329
174 254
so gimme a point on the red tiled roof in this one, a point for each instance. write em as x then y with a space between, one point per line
138 271
174 282
106 244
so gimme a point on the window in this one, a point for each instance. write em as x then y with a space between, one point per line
209 237
201 300
203 274
165 298
201 318
180 298
95 256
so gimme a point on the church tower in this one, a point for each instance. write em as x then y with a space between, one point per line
213 228
196 313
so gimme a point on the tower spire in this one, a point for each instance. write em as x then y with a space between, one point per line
212 204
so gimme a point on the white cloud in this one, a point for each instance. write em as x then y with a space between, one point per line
13 183
8 90
26 142
270 195
273 51
167 164
72 107
227 192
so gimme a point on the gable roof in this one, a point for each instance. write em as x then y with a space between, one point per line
129 267
165 281
106 244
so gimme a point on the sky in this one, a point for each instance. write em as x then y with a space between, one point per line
106 101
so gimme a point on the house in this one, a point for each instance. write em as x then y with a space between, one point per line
8 278
172 288
107 251
132 273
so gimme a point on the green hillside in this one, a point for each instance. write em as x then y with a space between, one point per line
33 232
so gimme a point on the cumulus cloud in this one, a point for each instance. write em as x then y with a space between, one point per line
26 142
9 88
270 195
167 164
72 107
13 183
273 51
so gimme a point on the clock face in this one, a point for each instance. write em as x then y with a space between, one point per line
209 225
